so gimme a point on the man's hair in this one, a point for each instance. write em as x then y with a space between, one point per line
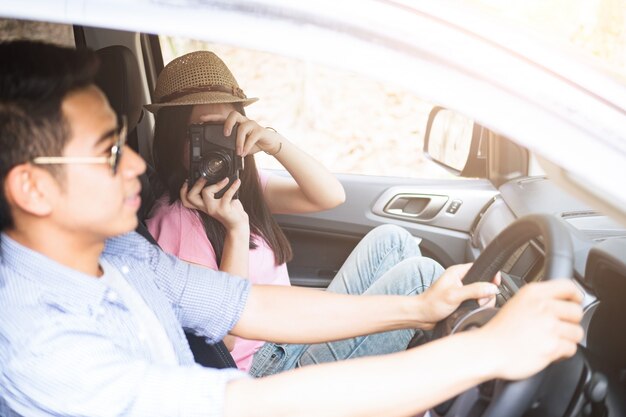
35 77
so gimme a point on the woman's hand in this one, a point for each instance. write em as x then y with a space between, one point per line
251 137
311 188
226 210
230 213
448 292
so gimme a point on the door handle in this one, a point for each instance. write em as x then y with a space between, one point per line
416 206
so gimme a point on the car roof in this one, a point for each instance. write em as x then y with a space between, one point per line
568 111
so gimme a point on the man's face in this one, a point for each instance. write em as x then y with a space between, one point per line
92 201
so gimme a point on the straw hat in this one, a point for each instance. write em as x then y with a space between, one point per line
197 78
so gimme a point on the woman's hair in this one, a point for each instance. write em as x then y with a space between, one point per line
170 139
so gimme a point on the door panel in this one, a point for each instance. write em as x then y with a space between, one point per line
317 255
439 212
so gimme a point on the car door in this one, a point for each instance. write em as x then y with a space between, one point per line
440 213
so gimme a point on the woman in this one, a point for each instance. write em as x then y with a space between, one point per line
240 236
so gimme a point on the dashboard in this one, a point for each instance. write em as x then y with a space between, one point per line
599 246
530 195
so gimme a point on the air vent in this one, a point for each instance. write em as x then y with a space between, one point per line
580 213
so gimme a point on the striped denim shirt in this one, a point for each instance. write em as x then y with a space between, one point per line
69 345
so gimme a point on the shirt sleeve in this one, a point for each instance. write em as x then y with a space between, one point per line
72 370
206 301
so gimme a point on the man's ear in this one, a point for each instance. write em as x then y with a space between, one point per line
31 189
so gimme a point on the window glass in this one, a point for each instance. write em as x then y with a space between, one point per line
350 123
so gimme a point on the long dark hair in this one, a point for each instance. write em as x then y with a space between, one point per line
168 148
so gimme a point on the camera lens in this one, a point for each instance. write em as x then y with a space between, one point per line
215 166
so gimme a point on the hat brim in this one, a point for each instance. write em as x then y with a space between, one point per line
201 98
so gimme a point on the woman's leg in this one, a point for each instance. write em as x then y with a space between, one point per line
410 277
381 251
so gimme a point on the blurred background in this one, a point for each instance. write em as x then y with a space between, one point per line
361 126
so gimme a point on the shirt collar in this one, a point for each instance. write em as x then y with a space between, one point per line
56 278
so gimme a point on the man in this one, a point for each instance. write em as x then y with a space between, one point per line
91 314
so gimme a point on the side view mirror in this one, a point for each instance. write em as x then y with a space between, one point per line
456 143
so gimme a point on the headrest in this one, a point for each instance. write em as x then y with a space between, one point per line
118 77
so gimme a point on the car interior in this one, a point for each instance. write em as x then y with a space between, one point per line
506 215
459 221
118 78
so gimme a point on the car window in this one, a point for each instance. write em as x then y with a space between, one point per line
350 123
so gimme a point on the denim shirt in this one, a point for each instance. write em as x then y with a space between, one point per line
69 347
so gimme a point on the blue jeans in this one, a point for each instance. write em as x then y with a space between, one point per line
386 261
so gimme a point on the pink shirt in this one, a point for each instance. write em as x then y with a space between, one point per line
180 232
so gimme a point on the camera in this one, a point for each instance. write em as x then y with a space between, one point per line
212 155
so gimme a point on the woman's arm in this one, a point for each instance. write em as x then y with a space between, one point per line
312 188
229 212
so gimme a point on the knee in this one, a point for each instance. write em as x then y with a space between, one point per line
389 233
422 271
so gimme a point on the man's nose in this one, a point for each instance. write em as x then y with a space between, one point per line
132 163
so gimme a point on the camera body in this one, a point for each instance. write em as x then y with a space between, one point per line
212 155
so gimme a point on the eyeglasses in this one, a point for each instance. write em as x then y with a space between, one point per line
116 152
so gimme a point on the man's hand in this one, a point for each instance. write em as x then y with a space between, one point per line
539 325
448 292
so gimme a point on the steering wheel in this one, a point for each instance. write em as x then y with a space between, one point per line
499 397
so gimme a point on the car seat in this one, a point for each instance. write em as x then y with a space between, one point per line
119 79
